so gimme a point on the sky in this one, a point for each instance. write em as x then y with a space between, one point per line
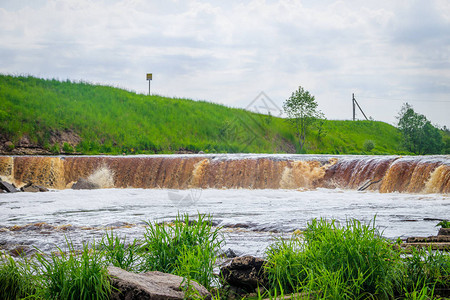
238 53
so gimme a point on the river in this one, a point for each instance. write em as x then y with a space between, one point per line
251 218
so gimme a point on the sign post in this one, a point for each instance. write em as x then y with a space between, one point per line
149 78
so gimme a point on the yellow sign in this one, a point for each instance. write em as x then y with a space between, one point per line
149 76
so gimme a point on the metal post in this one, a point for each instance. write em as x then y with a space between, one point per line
353 103
149 78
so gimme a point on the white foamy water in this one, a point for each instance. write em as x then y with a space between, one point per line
259 215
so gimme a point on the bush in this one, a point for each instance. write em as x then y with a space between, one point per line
368 145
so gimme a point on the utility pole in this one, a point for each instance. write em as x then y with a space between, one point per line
353 103
149 78
356 102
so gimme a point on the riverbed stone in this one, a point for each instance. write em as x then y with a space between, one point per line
245 272
151 285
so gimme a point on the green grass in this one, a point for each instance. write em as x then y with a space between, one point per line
186 248
329 261
16 279
73 275
352 262
114 121
118 253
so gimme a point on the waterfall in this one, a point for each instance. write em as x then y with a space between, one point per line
415 174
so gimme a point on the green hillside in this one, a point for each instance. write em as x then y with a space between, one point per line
64 117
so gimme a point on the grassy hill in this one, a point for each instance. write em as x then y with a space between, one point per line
67 116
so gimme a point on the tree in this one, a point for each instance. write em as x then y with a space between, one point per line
302 112
419 136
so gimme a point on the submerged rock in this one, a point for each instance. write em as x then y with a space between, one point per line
151 285
229 253
84 184
21 250
245 272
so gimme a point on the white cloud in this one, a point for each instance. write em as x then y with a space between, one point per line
229 51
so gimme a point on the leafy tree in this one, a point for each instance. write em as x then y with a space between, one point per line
302 112
419 136
368 145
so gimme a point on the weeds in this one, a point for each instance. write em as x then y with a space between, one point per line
73 275
185 247
16 279
117 253
427 268
351 261
444 224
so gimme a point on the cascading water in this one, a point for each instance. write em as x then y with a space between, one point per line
417 174
254 197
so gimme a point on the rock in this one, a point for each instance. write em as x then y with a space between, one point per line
245 272
21 250
229 253
201 152
430 239
151 285
83 184
444 231
9 145
33 188
8 187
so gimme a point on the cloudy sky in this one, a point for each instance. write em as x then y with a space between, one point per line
387 52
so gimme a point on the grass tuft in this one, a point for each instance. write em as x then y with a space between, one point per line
351 261
16 278
74 274
185 247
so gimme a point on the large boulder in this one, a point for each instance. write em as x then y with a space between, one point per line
151 285
8 187
84 184
33 188
245 272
